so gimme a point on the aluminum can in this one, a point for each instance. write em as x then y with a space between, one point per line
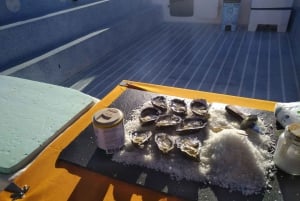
109 129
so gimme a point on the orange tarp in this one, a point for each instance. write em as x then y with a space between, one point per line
53 180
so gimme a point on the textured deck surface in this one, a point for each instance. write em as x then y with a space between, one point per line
201 57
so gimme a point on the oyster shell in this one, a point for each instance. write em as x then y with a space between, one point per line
199 107
140 137
149 115
160 102
168 120
190 146
178 106
192 124
164 142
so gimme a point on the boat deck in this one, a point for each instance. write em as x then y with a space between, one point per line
201 57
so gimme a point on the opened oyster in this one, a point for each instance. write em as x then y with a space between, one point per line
164 142
199 107
168 120
178 106
149 115
160 102
192 124
140 137
190 146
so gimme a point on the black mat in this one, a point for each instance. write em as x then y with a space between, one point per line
84 152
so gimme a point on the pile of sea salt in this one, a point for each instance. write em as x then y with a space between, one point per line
230 157
230 160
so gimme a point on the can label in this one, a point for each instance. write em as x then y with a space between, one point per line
110 138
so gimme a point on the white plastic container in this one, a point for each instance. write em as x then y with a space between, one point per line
287 153
109 129
287 113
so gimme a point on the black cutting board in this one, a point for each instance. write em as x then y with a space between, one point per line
84 153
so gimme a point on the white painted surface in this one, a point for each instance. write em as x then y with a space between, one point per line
269 17
272 3
204 14
205 11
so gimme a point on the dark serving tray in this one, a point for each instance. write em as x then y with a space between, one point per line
84 153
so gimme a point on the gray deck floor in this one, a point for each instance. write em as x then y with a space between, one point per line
201 57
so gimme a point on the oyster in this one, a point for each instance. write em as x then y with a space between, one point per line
140 137
160 102
164 142
178 106
199 107
190 146
149 115
168 120
192 124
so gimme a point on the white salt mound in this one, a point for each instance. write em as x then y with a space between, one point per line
231 161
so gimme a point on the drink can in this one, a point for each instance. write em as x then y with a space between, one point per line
109 129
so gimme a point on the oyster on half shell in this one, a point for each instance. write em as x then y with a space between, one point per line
190 146
140 137
160 102
164 142
178 106
199 107
149 115
192 124
168 120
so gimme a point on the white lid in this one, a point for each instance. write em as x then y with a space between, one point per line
108 117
